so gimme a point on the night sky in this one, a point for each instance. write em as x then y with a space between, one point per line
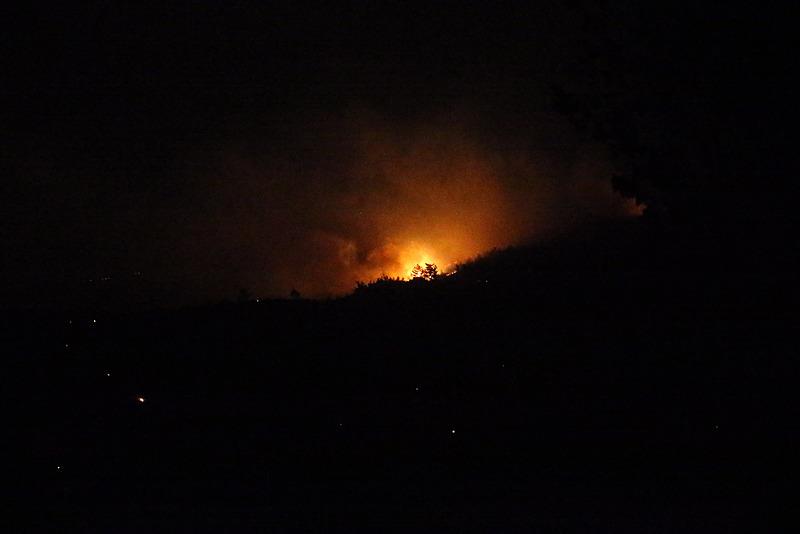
178 154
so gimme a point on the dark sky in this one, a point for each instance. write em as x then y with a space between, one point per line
213 146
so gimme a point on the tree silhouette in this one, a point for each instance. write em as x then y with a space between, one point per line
427 273
697 138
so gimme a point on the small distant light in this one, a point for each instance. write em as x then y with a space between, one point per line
58 468
258 300
94 321
716 427
140 399
453 431
108 373
66 345
416 388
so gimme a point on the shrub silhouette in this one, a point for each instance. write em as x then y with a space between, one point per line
383 285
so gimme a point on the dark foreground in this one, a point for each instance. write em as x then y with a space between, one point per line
588 390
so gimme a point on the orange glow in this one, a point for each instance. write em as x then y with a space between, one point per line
387 196
415 254
633 209
438 199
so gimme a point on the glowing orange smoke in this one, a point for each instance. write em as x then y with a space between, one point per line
376 197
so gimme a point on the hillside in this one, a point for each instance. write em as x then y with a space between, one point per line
551 386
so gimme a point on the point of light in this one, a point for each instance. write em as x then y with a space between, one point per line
140 399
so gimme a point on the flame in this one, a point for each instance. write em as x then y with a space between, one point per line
415 254
412 253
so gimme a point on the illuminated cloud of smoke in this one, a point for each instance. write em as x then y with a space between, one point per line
350 198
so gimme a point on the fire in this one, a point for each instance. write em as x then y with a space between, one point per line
399 255
416 254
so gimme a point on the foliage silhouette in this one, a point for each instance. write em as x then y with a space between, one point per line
697 134
427 273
